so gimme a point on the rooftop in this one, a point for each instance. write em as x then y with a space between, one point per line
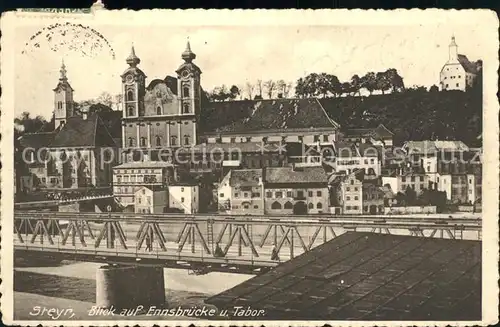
295 175
368 276
245 177
144 164
262 115
428 147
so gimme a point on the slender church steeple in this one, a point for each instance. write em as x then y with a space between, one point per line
132 59
63 98
188 55
453 50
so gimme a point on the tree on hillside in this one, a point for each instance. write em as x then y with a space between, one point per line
259 87
234 91
270 86
369 82
249 89
345 88
283 88
382 82
394 79
434 88
356 84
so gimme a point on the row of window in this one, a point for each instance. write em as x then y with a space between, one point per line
452 77
289 194
449 86
348 198
317 138
136 171
412 178
138 179
288 205
351 207
367 208
158 141
185 94
355 162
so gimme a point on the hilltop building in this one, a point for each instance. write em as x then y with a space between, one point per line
458 73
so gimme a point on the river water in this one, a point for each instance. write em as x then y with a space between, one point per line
72 285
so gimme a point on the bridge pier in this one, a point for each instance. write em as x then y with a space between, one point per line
128 287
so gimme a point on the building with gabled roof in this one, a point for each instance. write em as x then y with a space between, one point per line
79 152
458 73
286 120
241 192
379 135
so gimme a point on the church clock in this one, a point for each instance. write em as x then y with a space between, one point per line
129 79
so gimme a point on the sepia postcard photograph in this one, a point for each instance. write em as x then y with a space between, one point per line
250 167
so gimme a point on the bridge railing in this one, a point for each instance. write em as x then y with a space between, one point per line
257 241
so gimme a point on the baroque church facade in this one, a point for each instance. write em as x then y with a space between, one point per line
164 114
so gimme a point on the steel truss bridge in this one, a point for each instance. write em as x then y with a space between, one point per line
54 197
204 243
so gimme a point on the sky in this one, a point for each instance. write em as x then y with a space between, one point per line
230 55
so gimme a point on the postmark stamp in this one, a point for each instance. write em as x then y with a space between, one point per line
249 167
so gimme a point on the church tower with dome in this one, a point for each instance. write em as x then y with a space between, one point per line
163 114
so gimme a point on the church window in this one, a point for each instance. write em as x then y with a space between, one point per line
185 92
130 141
173 140
158 110
186 139
130 95
59 105
158 141
186 108
143 141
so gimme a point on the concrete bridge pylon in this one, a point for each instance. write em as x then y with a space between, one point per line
130 287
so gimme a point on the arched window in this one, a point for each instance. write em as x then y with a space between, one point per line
130 95
173 140
59 105
310 206
288 205
185 92
158 110
186 140
185 108
131 141
158 140
143 141
276 205
319 206
130 110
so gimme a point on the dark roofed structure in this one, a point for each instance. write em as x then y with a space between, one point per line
245 177
368 276
80 132
265 115
379 132
303 175
466 64
36 140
